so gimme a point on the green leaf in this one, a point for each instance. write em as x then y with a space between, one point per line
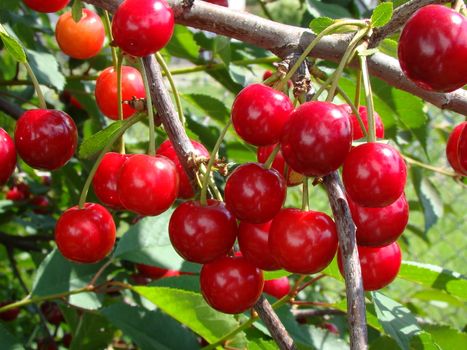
333 270
397 320
13 46
183 44
272 275
222 48
382 14
447 337
318 8
77 10
423 341
429 295
435 277
46 69
148 242
139 324
238 74
388 47
209 105
92 331
8 341
184 282
319 24
383 343
371 318
190 309
261 344
98 141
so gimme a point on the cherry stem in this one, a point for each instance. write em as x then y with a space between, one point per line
310 282
305 197
130 122
118 67
329 30
371 137
272 156
358 90
100 272
108 29
311 303
354 109
167 73
37 87
152 132
212 158
212 184
272 79
429 167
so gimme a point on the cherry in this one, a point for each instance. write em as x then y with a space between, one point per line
317 138
85 235
107 95
141 27
259 113
255 194
380 226
253 241
46 344
7 156
374 175
9 315
48 6
80 40
224 3
148 185
293 178
52 313
331 327
303 241
433 49
154 272
456 149
66 340
380 265
278 287
231 284
19 192
166 149
200 233
357 132
105 180
41 204
140 279
46 138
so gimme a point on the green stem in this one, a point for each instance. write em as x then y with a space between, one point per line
358 89
353 108
265 10
108 29
429 167
133 120
305 199
37 87
231 334
371 137
212 158
152 132
118 67
272 156
332 28
166 70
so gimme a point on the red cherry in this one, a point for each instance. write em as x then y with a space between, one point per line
105 180
278 287
331 327
357 132
141 27
9 315
254 194
456 149
200 233
224 3
107 95
293 178
154 272
19 192
267 74
46 344
80 40
317 138
166 149
303 241
374 175
231 284
259 114
7 156
433 49
66 340
85 235
377 227
148 185
48 6
46 138
41 204
253 241
140 279
380 265
52 313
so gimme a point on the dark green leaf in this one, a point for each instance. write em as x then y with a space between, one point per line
208 105
384 343
321 23
77 10
8 341
13 46
45 67
96 142
150 329
447 337
381 14
93 331
318 8
184 282
222 48
183 44
423 341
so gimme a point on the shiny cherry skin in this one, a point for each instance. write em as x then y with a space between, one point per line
357 132
105 180
317 138
41 205
47 6
303 241
293 178
224 3
18 192
433 49
80 40
154 272
85 235
259 114
374 175
255 194
9 315
201 234
231 284
52 313
380 265
166 149
278 287
148 185
253 241
378 227
456 149
45 138
142 27
7 156
107 95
